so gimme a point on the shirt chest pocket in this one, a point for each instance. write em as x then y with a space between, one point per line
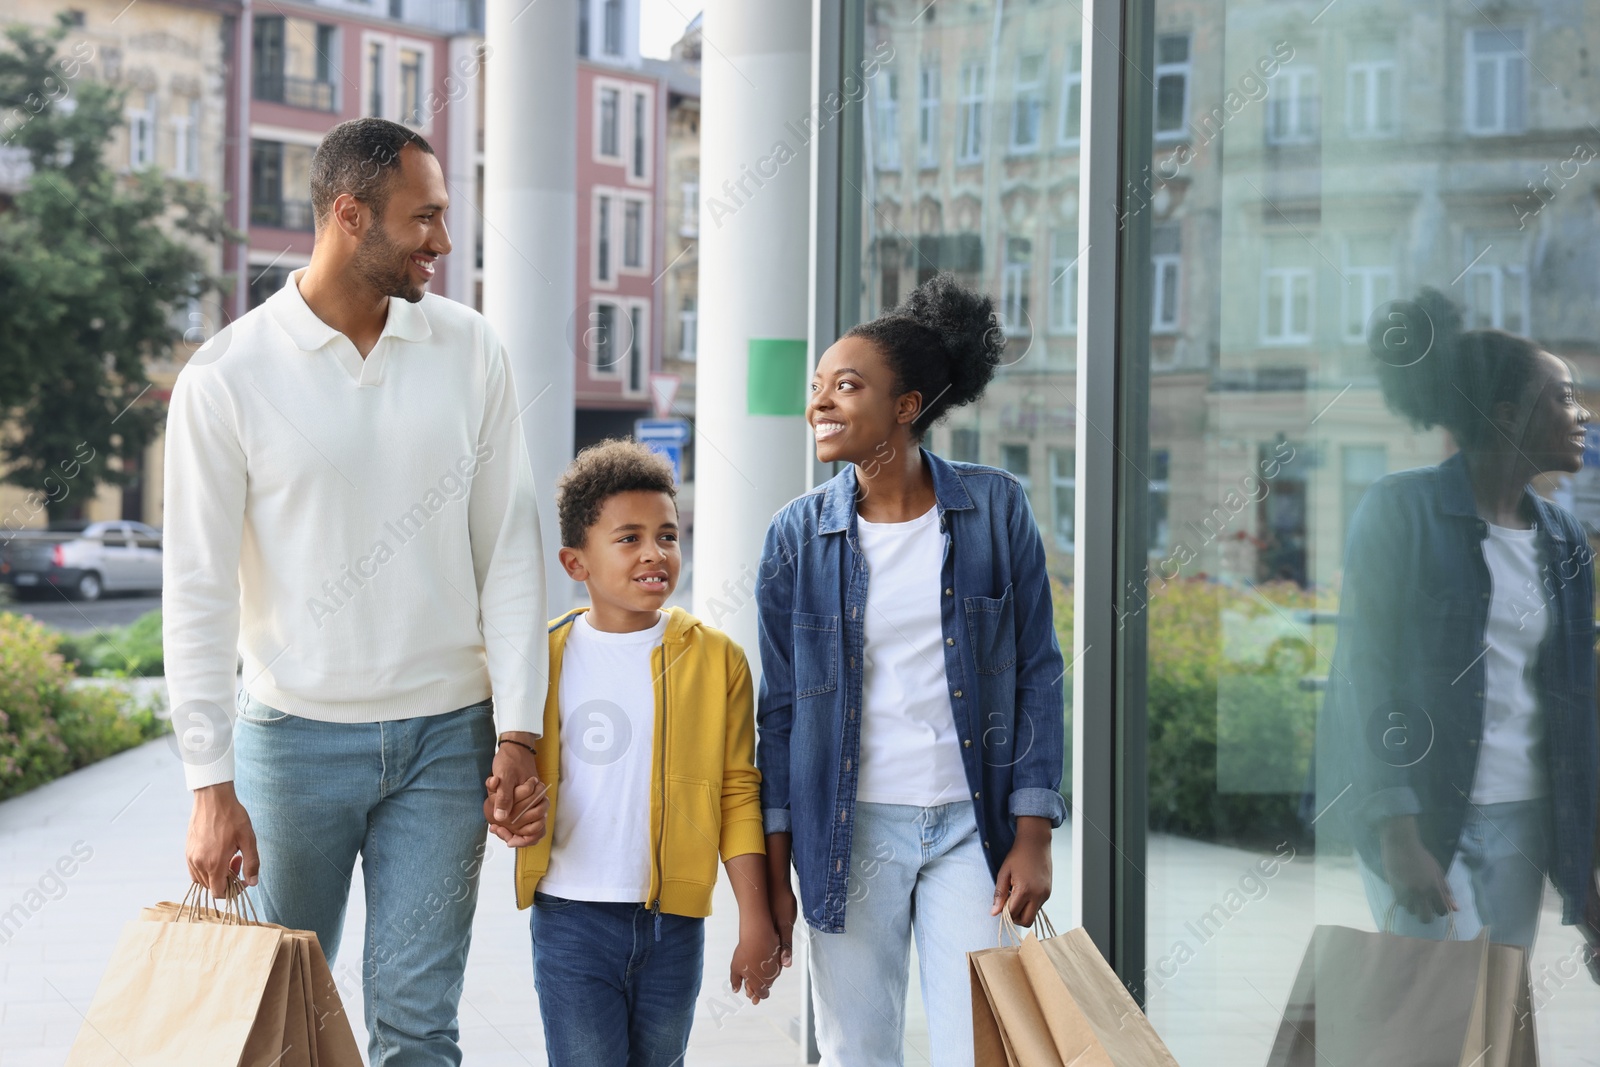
992 629
816 654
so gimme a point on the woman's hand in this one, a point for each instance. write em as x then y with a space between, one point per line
1023 884
1413 874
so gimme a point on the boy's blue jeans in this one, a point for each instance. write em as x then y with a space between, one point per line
610 994
407 796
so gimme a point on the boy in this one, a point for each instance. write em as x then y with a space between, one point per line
648 754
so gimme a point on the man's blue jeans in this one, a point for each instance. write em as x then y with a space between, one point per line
407 796
610 993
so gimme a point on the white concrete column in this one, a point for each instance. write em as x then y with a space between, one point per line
756 127
460 159
530 234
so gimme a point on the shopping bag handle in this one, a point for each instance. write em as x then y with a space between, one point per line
1388 923
240 909
1008 925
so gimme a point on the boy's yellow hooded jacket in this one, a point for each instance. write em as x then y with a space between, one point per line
704 786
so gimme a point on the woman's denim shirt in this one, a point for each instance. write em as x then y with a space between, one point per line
1002 664
1405 704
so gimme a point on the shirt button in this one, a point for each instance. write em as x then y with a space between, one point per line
852 663
949 640
847 763
838 865
967 743
841 815
852 714
1479 693
1472 741
975 796
949 592
986 844
958 693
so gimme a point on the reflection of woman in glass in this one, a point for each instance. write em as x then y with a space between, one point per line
1463 682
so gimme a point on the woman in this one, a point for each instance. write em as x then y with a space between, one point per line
910 715
1463 682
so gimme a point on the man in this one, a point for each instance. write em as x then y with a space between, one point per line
349 505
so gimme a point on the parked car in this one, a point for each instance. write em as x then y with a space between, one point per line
82 559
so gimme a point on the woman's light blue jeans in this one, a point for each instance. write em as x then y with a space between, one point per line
407 796
913 872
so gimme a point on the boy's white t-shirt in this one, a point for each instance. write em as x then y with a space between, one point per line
910 753
1511 758
600 844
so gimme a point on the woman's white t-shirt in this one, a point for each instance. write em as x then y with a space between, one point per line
1511 763
910 753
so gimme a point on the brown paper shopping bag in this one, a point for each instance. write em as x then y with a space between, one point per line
1055 1001
1508 1021
1382 1000
320 1027
180 994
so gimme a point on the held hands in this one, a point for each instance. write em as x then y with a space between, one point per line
1023 884
515 807
757 961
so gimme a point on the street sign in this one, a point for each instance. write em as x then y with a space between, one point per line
661 431
663 390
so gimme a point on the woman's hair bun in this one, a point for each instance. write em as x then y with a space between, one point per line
968 329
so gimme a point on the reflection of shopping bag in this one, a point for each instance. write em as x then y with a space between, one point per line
1055 1001
1382 1000
197 987
1508 1022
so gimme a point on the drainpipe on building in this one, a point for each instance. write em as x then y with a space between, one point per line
530 234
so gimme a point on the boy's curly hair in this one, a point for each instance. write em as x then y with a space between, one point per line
601 471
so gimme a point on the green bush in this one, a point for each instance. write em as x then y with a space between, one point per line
1230 725
132 651
48 726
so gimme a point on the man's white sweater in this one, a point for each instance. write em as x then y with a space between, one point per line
362 532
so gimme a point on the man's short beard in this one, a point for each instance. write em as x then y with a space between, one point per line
384 265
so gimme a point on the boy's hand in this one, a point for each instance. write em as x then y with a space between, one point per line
756 961
1023 884
785 912
529 809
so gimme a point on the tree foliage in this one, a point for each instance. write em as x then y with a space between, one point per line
93 264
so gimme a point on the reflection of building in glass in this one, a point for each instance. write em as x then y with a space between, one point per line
1367 156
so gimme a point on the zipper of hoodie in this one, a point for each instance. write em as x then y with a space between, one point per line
655 905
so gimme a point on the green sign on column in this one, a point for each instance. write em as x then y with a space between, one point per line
777 377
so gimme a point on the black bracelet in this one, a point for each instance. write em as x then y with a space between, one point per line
514 741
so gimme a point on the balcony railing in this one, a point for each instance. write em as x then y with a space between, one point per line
284 214
296 92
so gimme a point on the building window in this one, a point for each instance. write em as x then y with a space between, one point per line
280 185
613 27
1160 497
1166 262
971 147
1286 292
689 225
928 113
1172 85
641 134
1069 124
1292 106
142 131
1027 109
1369 90
1363 465
583 28
1497 282
411 87
688 330
604 347
1014 285
886 114
1496 81
1369 281
265 282
375 76
633 234
964 445
610 122
1063 494
638 348
1063 281
1015 458
186 141
602 238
